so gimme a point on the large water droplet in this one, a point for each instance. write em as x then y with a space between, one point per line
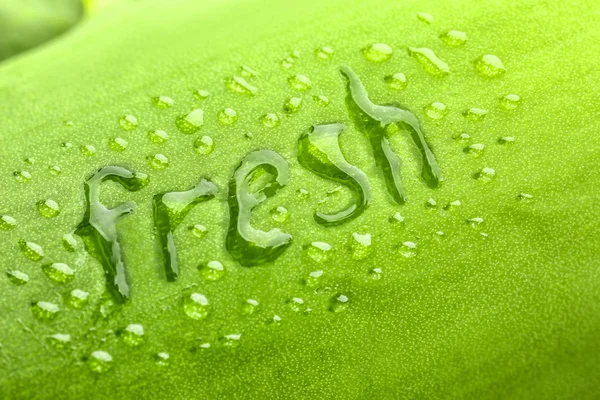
361 246
270 120
100 361
318 251
378 52
204 145
292 105
31 250
190 123
196 306
324 53
22 176
227 116
396 81
212 270
7 223
510 101
158 136
158 161
44 311
118 144
48 208
128 122
163 102
339 303
17 277
429 61
69 242
436 110
77 298
490 66
300 82
133 335
454 38
238 84
59 272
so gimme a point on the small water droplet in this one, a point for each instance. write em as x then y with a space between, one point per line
68 123
287 62
454 38
436 110
133 335
59 341
48 208
339 303
87 150
296 304
196 306
321 100
431 204
378 52
429 61
475 114
318 251
476 149
190 123
313 278
201 94
510 102
100 361
249 306
375 274
77 298
238 84
396 81
485 175
22 176
31 250
163 102
296 54
270 120
408 249
204 145
55 170
463 138
302 194
475 222
29 160
17 277
525 197
69 242
59 272
292 105
158 136
300 82
506 140
452 205
199 231
212 270
44 311
230 341
66 146
162 359
361 246
158 161
128 122
247 72
275 321
280 214
397 218
118 144
324 53
228 116
7 223
425 17
490 66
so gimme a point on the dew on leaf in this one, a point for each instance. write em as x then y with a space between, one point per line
510 102
7 223
396 81
292 105
100 361
525 197
77 298
44 311
490 66
475 114
230 341
199 231
475 222
249 306
375 274
275 321
118 144
485 175
506 140
212 270
59 272
280 214
429 61
431 204
313 278
425 17
55 170
321 100
302 194
324 53
59 341
163 102
128 122
270 120
22 176
300 82
287 62
158 161
87 150
397 218
296 304
475 149
201 94
69 242
463 137
408 249
17 277
318 251
452 205
29 160
227 116
133 335
239 85
66 146
158 136
196 306
31 250
378 52
436 110
247 72
190 123
454 38
162 359
339 303
48 208
204 145
361 246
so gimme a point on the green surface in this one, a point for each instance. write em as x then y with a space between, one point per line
514 314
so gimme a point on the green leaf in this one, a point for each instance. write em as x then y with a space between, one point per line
484 287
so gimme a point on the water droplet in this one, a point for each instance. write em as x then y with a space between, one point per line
292 105
275 321
397 218
59 272
339 303
22 176
361 246
44 311
163 102
429 61
296 54
69 242
66 146
29 160
31 250
425 17
7 223
162 359
475 149
59 341
55 170
133 335
300 82
247 72
321 100
287 62
212 270
296 304
100 361
506 140
375 274
158 136
249 306
454 38
87 150
486 174
230 341
199 231
490 66
196 306
270 120
525 197
431 204
77 298
239 85
463 138
228 116
396 81
302 194
280 214
17 277
128 122
48 208
158 161
318 251
510 102
313 278
436 110
324 53
377 52
118 144
204 145
190 123
452 205
475 114
408 249
68 123
201 94
475 222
